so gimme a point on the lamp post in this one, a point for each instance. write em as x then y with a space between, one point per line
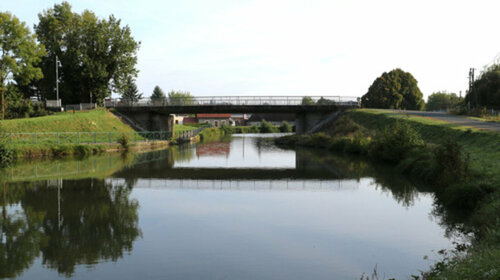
58 63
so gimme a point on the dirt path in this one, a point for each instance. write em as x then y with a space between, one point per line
461 120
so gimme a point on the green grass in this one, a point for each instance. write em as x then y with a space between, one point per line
180 128
87 121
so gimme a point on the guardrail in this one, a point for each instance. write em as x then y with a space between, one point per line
235 100
98 137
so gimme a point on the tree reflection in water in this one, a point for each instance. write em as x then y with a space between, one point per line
83 222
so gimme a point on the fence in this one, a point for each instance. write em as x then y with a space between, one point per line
235 100
80 107
98 137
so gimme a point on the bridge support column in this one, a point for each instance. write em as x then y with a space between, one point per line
304 121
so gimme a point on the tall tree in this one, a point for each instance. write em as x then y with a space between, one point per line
131 93
158 94
486 89
97 55
396 89
19 54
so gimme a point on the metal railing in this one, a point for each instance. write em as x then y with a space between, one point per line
98 137
236 100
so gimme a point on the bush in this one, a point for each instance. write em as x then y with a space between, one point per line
452 162
254 129
266 127
228 130
124 141
286 127
7 155
395 142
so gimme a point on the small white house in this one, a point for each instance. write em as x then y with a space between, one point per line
216 120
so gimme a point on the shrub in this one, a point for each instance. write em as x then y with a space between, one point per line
124 141
7 155
227 129
254 129
395 142
452 162
286 127
266 127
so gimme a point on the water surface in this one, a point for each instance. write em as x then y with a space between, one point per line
238 209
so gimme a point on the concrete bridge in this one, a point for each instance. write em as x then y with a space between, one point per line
155 115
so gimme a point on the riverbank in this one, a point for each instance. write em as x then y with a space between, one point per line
461 163
78 134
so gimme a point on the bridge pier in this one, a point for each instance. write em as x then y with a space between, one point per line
152 121
304 121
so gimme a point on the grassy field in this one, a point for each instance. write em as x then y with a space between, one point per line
86 121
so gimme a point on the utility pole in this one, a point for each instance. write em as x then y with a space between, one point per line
471 84
58 62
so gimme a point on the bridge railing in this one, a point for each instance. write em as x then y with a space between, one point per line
235 100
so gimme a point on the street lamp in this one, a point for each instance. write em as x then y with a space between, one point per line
58 64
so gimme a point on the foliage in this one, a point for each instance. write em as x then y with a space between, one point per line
452 161
324 101
266 127
286 127
131 94
394 90
180 98
97 55
7 155
306 100
486 89
158 94
18 107
124 141
19 55
395 142
442 101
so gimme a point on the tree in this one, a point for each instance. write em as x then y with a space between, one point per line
324 101
180 98
442 101
158 94
306 100
394 90
486 89
97 55
19 55
131 94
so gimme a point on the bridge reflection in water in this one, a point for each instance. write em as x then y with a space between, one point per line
243 185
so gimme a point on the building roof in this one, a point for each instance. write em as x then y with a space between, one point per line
213 116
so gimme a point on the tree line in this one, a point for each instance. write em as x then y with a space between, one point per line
94 56
398 89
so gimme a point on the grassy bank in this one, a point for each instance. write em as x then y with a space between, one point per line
460 163
99 120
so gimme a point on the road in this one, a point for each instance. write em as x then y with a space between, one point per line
461 120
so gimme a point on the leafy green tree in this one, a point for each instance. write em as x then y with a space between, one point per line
286 127
180 98
131 93
324 101
396 89
97 55
158 94
486 89
442 101
19 54
306 100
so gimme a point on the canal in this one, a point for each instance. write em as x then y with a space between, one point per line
242 208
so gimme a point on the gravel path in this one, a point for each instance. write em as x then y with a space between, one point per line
461 120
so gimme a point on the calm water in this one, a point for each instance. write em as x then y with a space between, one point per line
240 209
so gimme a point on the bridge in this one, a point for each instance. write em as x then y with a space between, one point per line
155 115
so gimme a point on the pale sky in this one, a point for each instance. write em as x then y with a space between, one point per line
298 47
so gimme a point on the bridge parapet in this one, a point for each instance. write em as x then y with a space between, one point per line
347 101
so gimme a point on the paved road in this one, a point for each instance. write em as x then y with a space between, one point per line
461 120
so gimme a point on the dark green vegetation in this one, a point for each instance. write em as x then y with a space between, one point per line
443 101
460 164
396 89
486 89
264 127
158 94
94 57
97 55
19 55
131 93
